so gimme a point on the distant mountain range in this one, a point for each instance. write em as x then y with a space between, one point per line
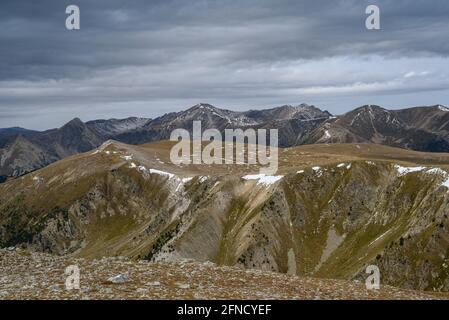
420 128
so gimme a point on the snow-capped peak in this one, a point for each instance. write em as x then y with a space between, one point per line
443 108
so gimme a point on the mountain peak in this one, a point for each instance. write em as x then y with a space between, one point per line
202 106
371 107
442 108
294 107
301 111
75 122
369 110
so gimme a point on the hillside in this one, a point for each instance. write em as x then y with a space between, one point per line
330 211
419 128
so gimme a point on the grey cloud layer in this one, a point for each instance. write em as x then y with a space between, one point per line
157 56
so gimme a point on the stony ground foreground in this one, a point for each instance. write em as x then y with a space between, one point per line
30 275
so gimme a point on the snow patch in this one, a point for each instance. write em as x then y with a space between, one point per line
436 171
405 170
440 171
263 179
318 170
446 183
155 171
162 173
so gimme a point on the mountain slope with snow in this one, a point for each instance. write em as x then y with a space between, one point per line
420 128
330 211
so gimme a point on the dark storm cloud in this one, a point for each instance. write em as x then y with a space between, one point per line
35 43
231 52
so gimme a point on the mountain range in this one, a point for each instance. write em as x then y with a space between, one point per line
419 128
349 193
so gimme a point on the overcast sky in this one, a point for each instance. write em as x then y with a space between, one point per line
149 57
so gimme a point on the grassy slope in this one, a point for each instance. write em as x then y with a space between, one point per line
107 208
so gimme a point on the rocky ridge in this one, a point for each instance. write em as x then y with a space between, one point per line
42 276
